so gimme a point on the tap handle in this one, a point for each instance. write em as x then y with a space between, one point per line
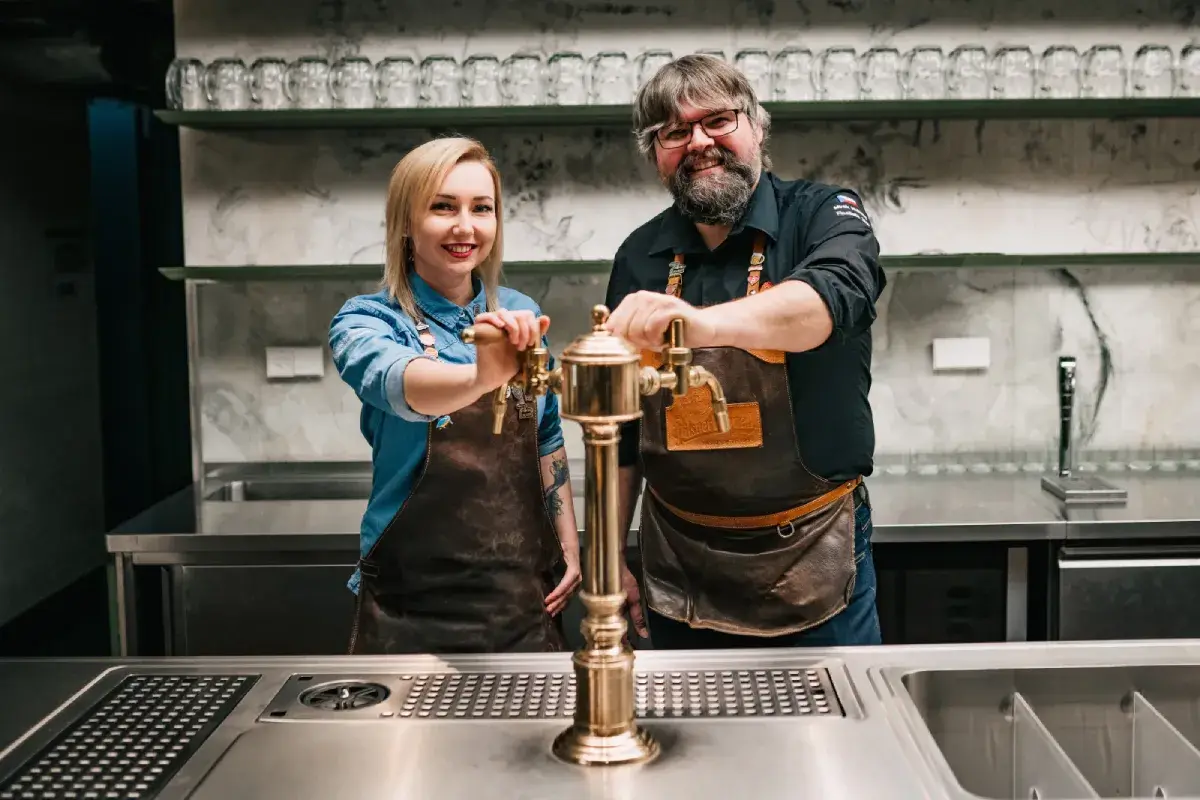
1066 407
680 376
533 378
483 333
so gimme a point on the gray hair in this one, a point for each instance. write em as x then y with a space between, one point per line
697 79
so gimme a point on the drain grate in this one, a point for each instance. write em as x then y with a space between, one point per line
132 742
344 696
725 693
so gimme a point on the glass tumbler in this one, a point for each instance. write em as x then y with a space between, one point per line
1058 72
881 74
967 73
566 79
792 74
650 62
611 79
1102 72
755 64
227 84
396 82
837 74
1187 82
185 85
523 80
923 74
481 81
351 82
441 81
267 78
1153 73
307 83
1013 73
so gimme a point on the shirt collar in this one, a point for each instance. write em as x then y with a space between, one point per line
447 314
678 234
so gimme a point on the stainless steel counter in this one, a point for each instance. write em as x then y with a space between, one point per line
912 508
945 723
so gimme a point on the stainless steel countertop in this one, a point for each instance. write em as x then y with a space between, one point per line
910 508
889 744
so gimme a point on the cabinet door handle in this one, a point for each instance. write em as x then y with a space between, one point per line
1124 563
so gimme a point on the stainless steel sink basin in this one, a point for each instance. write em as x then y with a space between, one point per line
1067 732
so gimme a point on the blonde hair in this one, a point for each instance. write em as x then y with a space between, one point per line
414 182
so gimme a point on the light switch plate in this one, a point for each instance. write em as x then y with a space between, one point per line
959 354
281 363
309 362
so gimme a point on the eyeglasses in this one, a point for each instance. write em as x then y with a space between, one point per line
721 123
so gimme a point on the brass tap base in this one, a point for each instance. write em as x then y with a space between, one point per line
633 746
605 730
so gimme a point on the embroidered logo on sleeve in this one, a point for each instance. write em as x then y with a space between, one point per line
847 206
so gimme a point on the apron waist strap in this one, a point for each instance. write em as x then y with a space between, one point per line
781 519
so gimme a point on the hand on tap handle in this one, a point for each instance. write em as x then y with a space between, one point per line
500 337
679 375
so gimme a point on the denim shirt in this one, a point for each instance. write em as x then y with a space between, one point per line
372 341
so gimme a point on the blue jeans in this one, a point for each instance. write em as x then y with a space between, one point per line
856 624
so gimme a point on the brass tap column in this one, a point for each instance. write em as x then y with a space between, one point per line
600 382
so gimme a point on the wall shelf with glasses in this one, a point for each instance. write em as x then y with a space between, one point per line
621 115
907 263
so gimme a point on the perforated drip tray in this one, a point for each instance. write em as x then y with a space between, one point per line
131 743
542 695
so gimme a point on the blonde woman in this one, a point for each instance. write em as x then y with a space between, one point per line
469 542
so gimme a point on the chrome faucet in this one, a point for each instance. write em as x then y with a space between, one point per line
1066 407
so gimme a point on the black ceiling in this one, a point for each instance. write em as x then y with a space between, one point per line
105 47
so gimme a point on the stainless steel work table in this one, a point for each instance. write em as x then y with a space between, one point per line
890 723
992 507
316 541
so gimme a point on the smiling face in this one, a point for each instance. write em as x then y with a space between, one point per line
455 233
713 175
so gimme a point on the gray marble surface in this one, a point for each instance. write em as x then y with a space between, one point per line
1005 186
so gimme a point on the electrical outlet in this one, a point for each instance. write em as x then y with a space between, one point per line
967 353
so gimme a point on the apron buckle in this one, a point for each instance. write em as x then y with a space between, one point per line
791 529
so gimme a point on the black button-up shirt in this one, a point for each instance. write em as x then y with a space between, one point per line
818 234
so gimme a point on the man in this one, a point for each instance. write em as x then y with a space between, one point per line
759 536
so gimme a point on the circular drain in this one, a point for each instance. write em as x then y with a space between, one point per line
344 696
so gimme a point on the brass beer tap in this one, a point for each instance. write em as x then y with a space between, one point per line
600 383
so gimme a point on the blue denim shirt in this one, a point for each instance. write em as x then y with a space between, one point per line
373 340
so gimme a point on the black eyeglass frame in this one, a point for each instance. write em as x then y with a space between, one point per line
703 123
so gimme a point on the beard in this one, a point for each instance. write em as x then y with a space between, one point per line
713 199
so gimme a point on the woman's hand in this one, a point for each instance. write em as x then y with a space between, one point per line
496 361
556 601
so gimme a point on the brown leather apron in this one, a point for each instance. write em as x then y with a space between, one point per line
466 563
737 535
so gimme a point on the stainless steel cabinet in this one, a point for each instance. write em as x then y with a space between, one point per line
1141 592
261 609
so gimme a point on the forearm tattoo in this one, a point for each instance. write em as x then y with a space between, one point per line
558 468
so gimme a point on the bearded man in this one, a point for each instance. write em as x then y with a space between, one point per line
759 536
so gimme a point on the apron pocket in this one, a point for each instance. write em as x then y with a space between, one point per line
765 584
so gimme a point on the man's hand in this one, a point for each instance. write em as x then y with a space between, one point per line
643 319
633 599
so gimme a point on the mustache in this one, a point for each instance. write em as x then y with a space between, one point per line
715 153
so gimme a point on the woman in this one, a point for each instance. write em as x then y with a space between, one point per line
469 541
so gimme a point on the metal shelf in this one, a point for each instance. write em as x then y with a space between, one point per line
360 272
907 263
621 116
